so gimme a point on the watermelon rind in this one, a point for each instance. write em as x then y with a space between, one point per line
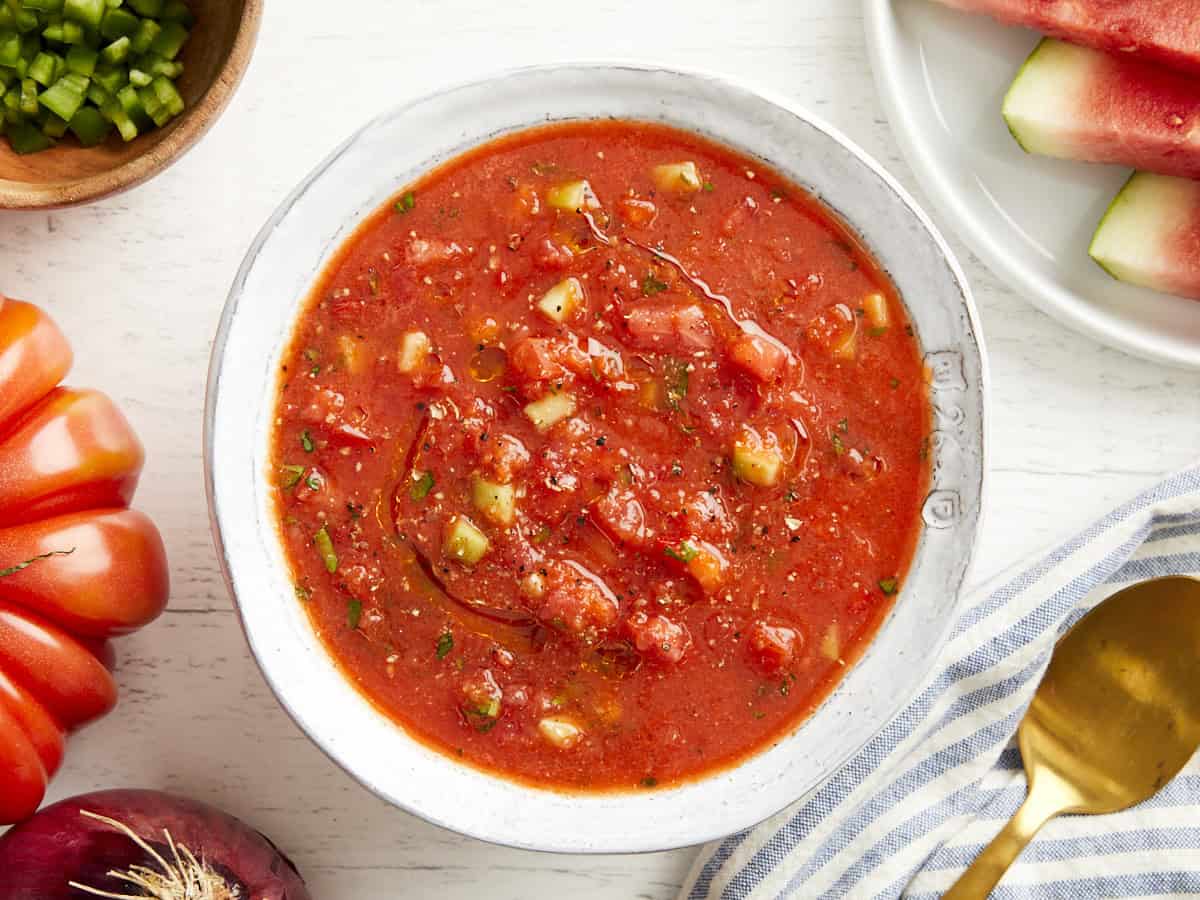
1040 104
1097 249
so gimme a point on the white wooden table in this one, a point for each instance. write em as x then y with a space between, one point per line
138 282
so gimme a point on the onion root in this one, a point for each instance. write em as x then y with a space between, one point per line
182 878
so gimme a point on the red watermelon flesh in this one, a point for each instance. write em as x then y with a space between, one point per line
1076 103
1160 31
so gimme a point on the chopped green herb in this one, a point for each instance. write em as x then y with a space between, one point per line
311 354
838 447
303 594
889 586
13 570
407 202
649 781
894 383
289 476
542 535
306 441
708 187
880 331
677 378
685 553
355 510
759 714
652 286
324 546
421 486
445 644
353 613
314 482
844 426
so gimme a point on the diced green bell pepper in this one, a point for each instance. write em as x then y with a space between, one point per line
90 126
89 13
65 96
82 61
119 23
25 138
117 51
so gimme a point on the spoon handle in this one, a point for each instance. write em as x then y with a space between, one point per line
990 865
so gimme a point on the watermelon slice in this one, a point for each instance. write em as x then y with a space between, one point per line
1151 235
1076 103
1159 31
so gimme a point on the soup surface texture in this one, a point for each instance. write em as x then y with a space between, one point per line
599 455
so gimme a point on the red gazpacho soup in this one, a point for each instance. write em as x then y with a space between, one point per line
599 455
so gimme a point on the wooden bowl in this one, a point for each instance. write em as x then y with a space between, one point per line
215 58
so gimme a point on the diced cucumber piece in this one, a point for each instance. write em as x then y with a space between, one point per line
152 8
560 302
679 178
755 464
550 410
572 196
464 542
414 347
496 502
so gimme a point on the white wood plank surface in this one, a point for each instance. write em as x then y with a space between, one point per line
139 281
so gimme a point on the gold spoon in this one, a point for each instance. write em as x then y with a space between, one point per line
1115 718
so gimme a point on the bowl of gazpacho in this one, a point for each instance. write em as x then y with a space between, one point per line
595 455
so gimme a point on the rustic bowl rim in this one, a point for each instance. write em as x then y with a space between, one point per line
383 757
191 127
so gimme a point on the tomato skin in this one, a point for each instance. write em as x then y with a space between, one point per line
22 776
58 671
39 726
73 450
77 567
107 575
34 356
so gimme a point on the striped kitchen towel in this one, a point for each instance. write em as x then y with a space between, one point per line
917 804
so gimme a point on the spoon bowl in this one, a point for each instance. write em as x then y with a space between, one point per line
1115 718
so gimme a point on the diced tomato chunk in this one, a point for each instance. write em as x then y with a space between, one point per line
708 567
324 407
772 648
548 359
426 252
762 358
359 581
621 515
504 455
739 216
658 637
670 325
552 255
576 601
638 212
834 330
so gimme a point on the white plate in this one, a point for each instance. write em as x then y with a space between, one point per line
942 75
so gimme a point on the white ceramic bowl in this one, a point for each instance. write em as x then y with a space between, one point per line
277 275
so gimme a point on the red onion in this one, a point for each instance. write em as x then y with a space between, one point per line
142 844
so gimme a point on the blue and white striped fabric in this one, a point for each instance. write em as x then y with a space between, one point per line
917 804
